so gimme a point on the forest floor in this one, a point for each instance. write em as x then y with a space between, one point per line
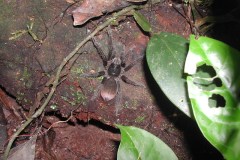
86 132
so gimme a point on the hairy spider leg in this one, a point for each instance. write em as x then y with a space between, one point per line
93 75
123 58
129 81
110 55
96 93
110 46
100 52
118 98
92 103
127 68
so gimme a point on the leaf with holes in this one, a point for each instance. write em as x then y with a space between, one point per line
214 87
166 54
137 143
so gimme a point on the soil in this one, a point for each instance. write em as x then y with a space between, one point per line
87 131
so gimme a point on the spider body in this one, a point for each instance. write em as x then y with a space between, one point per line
115 68
113 73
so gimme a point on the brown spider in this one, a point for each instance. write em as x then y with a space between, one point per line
114 69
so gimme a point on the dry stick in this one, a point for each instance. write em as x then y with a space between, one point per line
55 83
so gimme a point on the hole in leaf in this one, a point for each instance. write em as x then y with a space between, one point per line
206 71
206 79
217 82
216 100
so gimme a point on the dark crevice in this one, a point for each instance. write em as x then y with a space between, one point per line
5 91
93 122
103 126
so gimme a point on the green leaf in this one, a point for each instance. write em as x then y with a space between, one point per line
218 121
166 55
139 144
142 21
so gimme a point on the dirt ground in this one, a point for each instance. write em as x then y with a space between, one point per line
86 132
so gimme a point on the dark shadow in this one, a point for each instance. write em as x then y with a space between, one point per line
161 100
225 30
116 143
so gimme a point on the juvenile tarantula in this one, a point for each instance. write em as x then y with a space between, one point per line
114 69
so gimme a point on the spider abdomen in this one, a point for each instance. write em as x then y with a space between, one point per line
109 89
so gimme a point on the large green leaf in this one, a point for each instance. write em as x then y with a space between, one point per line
219 123
138 144
166 55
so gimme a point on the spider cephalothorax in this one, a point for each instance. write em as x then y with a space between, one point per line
114 69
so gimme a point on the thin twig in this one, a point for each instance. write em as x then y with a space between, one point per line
58 122
60 68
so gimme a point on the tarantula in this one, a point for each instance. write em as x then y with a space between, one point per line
114 69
